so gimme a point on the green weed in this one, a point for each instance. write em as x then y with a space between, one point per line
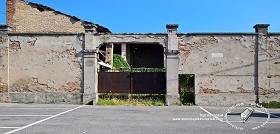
131 100
272 104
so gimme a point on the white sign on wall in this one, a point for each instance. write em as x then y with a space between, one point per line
217 55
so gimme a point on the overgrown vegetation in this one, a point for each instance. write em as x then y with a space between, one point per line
119 62
122 65
186 89
131 100
272 104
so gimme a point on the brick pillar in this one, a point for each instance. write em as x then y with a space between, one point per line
90 75
261 69
109 53
172 65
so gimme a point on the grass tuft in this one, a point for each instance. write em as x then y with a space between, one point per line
131 100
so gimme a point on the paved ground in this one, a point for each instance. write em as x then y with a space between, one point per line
75 119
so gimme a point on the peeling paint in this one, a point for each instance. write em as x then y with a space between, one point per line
209 91
32 42
202 42
71 87
273 91
133 38
72 51
77 64
3 51
3 87
14 45
242 90
29 85
273 47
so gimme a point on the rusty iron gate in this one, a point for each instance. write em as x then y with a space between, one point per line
132 82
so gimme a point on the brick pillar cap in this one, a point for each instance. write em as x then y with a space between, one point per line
172 26
89 28
5 28
261 25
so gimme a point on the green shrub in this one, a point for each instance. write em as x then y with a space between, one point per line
159 103
272 104
106 102
119 62
186 92
186 98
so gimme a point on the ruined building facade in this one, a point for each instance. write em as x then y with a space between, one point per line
50 57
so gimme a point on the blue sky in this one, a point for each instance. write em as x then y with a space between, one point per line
153 15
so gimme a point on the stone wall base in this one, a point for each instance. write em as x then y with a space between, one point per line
269 98
45 98
90 98
224 99
172 100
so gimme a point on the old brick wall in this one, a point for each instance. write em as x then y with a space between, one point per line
269 68
43 68
223 65
27 17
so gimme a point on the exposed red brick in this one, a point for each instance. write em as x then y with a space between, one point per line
3 87
11 9
14 45
209 91
71 87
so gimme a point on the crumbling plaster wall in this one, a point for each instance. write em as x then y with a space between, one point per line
43 64
149 38
25 17
269 69
4 40
223 66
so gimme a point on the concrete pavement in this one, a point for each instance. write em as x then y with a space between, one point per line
77 119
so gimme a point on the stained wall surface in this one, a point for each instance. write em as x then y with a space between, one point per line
41 59
223 65
42 64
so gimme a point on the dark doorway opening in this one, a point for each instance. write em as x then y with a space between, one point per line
146 55
187 89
